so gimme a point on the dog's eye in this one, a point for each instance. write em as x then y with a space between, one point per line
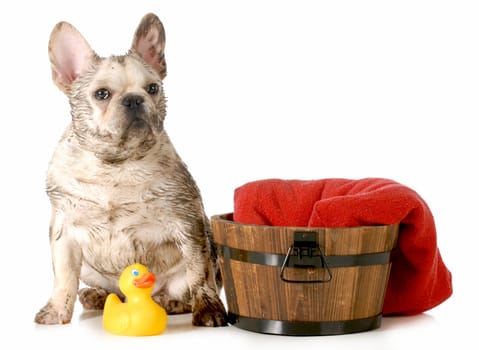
152 88
102 94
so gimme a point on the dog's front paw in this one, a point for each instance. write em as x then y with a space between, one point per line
210 315
92 298
172 306
51 314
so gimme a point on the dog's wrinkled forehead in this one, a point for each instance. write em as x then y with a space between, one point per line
124 73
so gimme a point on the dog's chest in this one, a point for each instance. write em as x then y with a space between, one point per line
116 225
111 207
116 209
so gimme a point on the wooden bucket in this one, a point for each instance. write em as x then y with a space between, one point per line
304 281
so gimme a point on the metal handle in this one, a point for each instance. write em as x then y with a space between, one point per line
304 251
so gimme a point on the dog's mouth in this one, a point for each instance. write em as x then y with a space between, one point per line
133 143
135 126
138 123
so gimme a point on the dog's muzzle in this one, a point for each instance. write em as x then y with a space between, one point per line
135 110
133 104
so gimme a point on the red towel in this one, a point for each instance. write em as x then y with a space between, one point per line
419 279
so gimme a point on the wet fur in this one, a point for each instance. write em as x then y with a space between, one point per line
119 192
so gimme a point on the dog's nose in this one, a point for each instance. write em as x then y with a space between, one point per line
132 102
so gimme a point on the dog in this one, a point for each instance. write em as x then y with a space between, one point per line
120 193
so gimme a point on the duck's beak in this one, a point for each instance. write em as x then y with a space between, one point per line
147 280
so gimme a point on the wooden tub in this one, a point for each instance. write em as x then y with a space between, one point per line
304 281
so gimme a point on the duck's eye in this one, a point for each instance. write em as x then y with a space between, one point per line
102 94
152 88
135 273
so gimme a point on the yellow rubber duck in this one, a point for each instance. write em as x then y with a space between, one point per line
139 315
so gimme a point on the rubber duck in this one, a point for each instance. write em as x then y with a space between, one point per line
139 315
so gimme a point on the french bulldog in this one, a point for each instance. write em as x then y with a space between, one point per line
120 194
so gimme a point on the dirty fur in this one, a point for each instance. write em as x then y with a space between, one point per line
119 192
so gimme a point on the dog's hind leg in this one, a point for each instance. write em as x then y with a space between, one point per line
92 298
173 307
208 310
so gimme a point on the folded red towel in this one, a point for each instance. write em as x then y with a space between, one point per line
419 279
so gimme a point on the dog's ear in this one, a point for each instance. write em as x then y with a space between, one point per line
69 53
149 43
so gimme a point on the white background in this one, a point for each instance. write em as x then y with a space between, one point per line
260 89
